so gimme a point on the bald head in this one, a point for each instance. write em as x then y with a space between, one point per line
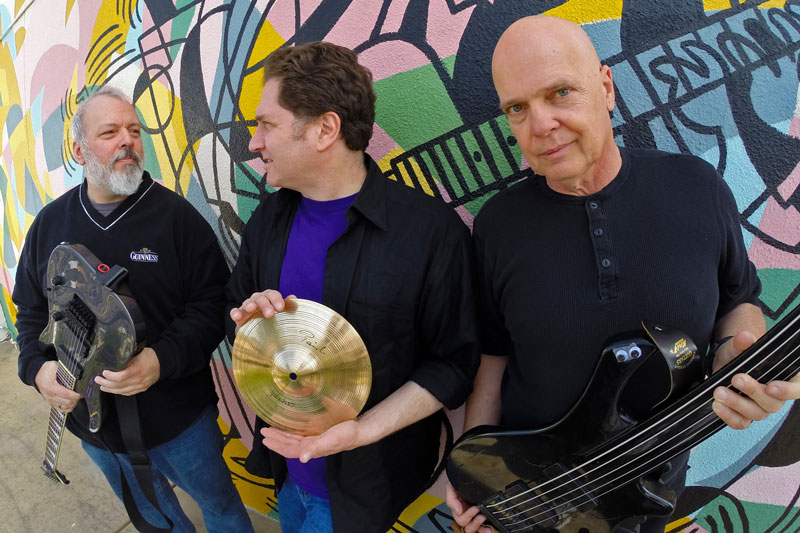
557 97
532 40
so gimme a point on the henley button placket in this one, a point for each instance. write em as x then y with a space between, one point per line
606 278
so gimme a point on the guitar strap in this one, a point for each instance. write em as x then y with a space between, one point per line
128 414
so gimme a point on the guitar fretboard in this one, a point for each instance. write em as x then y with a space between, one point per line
55 429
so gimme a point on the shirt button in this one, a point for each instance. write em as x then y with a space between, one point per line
593 205
598 232
606 263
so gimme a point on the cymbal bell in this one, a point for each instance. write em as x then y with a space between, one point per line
303 370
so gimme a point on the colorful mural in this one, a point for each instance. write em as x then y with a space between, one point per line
717 78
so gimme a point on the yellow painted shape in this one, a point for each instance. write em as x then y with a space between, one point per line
414 512
252 85
716 5
22 150
385 166
677 523
250 488
98 61
171 138
583 11
68 10
19 37
17 5
12 309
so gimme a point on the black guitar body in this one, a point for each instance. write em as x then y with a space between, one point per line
92 325
599 465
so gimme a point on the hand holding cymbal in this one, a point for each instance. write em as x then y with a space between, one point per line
303 370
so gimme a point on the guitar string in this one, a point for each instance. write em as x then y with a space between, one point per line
709 425
708 385
658 445
681 446
710 414
652 425
733 370
73 344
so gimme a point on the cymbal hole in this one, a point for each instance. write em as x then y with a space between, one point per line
292 376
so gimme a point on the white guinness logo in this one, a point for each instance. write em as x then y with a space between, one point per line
145 256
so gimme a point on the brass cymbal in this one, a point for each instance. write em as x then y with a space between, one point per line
303 370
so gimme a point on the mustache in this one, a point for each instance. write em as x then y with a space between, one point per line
126 153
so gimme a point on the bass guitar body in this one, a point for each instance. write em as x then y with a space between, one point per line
598 467
92 328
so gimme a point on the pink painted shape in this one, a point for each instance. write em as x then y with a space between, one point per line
782 224
765 256
790 184
282 15
355 25
771 486
152 43
394 16
794 127
229 400
391 57
380 144
445 29
52 75
7 280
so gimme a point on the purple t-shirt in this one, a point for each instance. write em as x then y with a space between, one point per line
315 227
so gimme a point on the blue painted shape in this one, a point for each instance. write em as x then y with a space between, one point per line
53 140
605 37
36 112
664 139
766 86
630 89
9 252
33 202
710 468
13 118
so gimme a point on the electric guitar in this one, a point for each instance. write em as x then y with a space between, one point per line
91 327
593 469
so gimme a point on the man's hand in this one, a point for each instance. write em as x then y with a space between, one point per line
760 400
339 438
140 373
267 303
468 518
55 394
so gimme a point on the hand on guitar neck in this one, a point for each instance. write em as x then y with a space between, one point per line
55 394
758 400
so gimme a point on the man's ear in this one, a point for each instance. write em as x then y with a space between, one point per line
330 128
77 151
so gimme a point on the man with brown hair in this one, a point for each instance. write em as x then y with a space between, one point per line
394 262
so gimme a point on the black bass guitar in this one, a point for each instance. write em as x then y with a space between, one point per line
91 327
589 472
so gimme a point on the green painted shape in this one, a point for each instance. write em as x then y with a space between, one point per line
449 64
180 26
760 516
414 107
245 205
777 284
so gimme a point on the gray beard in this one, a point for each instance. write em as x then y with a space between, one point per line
122 183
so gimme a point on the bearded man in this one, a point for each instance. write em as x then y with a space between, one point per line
176 274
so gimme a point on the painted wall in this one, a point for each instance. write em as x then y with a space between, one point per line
717 78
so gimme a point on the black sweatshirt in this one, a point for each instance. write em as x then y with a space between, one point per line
179 289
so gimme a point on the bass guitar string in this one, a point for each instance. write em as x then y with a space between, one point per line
711 383
712 425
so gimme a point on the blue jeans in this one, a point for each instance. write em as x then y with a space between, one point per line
301 512
193 460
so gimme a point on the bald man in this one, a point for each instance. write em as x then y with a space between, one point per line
600 239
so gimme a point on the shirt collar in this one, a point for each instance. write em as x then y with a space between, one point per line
370 202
